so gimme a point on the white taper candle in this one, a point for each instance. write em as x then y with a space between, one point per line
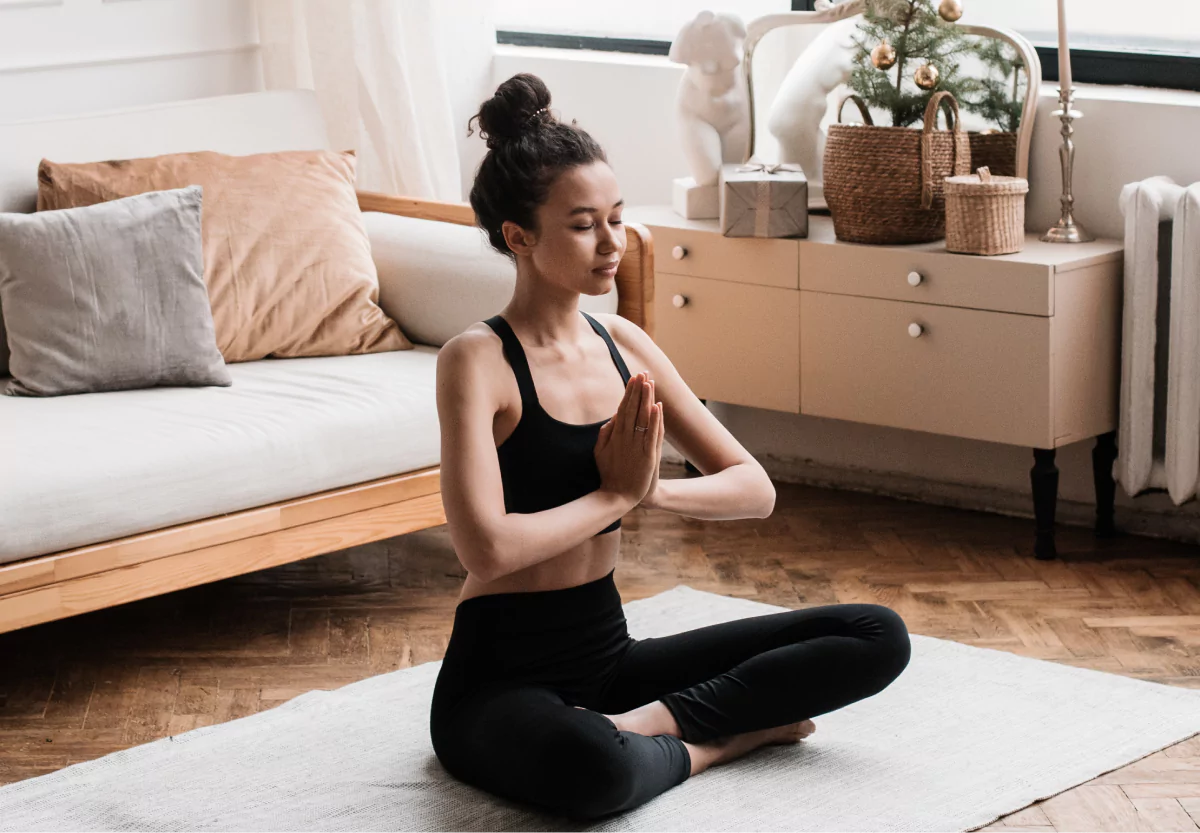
1064 52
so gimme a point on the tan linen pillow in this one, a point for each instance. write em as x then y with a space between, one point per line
287 261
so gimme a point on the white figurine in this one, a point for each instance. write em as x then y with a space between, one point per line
712 105
803 99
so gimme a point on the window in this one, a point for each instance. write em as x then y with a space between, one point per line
1161 26
636 19
1151 43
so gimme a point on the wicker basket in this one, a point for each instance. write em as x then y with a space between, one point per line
985 214
885 184
996 151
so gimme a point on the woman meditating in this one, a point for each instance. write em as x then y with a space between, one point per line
552 424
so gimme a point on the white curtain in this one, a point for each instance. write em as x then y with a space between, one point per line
396 81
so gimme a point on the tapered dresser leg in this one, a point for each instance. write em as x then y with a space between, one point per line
1103 455
1044 479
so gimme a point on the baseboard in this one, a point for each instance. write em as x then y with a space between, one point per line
1171 524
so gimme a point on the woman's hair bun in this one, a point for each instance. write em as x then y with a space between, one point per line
519 106
528 149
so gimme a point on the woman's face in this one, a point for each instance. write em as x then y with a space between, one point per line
580 237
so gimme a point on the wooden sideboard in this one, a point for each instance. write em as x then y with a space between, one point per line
1022 349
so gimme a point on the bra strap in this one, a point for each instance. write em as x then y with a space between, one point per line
612 348
516 357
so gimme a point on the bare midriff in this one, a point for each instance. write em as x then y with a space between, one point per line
593 559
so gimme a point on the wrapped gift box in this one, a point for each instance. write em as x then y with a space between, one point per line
761 200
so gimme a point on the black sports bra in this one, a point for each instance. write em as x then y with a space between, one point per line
545 462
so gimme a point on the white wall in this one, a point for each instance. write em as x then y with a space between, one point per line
1127 134
68 56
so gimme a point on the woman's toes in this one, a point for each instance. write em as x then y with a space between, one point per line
793 732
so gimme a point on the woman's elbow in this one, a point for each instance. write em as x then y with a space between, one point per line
768 497
476 552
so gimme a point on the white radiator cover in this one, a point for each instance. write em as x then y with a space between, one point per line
1174 463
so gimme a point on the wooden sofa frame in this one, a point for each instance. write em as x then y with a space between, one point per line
58 585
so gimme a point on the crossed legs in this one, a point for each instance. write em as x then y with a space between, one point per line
750 675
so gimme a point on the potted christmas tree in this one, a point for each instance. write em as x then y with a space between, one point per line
886 184
908 49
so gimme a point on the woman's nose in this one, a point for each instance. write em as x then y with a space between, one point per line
609 240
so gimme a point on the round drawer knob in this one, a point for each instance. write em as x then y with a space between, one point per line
679 253
914 278
915 329
679 300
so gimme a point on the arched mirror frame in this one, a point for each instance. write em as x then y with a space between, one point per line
760 26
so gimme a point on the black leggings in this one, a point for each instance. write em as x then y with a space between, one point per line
503 715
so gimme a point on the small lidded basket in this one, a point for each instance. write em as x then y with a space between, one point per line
985 214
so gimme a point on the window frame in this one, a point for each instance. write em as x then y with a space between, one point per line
1088 66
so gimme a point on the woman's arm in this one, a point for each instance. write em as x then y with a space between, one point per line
730 494
489 542
522 540
735 485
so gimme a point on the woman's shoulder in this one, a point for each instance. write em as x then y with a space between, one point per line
478 338
627 334
475 353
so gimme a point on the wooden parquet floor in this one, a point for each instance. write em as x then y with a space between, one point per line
83 687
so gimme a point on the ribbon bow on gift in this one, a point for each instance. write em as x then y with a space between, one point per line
769 169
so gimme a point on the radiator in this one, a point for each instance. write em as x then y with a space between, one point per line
1158 444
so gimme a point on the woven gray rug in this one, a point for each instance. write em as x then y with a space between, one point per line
962 737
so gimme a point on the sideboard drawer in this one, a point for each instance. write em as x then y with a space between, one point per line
967 373
731 342
942 278
707 254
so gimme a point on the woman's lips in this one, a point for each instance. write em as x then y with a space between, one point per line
607 271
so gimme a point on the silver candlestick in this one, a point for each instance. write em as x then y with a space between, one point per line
1066 230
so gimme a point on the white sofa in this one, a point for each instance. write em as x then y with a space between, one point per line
109 497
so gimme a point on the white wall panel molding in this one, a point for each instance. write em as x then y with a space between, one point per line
106 60
60 32
6 5
63 56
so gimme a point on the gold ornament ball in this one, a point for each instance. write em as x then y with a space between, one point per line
950 10
926 77
883 56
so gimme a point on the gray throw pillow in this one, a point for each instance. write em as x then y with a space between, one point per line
108 297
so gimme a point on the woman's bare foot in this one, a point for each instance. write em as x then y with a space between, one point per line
649 720
724 750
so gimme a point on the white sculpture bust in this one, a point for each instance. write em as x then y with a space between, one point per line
802 101
712 105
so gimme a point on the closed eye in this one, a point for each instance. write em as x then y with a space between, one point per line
589 228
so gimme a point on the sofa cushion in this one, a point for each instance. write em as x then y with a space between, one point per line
286 257
108 297
436 279
84 469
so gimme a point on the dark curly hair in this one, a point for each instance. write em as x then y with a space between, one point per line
527 149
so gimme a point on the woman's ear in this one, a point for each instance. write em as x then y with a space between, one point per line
517 238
